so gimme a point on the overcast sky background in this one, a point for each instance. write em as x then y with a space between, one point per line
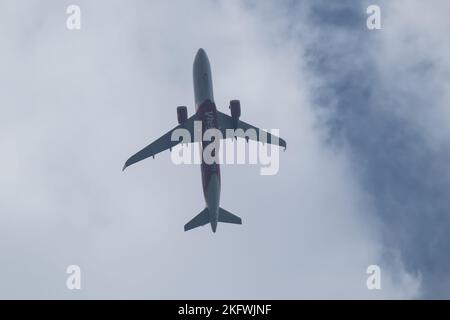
364 180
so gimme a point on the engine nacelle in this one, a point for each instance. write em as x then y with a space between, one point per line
235 108
181 114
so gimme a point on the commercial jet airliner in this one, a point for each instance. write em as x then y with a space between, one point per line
210 117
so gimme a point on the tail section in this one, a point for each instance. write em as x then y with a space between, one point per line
199 220
227 217
204 217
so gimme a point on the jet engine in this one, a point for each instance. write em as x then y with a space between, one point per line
181 114
235 108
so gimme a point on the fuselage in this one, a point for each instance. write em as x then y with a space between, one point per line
207 113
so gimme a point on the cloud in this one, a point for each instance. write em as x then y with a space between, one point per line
384 97
77 104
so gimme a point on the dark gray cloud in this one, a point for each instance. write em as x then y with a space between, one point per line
384 94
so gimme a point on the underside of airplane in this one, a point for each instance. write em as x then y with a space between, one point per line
210 118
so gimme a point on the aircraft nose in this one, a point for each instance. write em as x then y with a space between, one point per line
201 58
201 53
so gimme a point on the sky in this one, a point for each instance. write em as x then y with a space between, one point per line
363 181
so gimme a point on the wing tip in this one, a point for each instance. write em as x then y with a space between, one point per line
126 165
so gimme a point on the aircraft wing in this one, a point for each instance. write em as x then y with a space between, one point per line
162 144
226 122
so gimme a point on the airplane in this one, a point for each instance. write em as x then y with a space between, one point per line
210 117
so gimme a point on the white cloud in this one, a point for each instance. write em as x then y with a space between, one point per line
79 103
415 51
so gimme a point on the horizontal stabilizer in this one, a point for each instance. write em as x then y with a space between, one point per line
199 220
203 218
227 217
